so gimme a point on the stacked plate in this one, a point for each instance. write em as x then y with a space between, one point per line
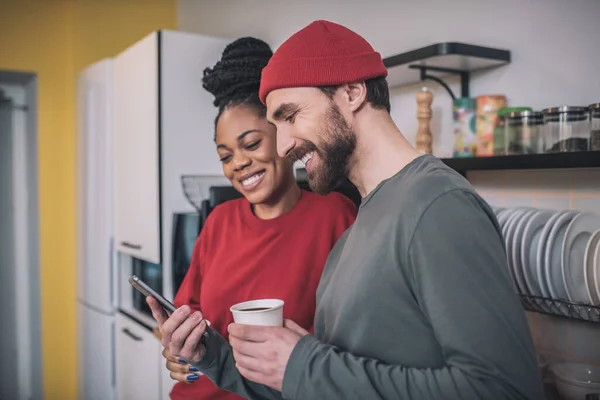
553 254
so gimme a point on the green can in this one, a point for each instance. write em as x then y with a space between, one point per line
465 135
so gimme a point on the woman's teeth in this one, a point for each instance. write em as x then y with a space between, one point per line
252 179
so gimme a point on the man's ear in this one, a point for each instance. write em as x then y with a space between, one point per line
356 95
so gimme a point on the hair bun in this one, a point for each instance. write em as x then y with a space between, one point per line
237 75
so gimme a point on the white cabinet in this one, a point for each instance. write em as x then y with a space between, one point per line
95 354
139 361
164 127
137 150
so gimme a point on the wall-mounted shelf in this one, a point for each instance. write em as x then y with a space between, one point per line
443 59
582 159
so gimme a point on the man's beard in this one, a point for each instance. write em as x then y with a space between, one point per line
335 150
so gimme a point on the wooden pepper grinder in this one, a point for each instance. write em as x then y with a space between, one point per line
424 100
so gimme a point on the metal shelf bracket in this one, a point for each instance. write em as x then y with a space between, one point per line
464 78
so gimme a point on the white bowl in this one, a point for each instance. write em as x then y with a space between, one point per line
574 381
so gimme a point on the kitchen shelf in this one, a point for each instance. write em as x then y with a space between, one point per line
561 308
580 159
449 58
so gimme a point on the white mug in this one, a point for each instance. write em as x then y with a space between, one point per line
263 312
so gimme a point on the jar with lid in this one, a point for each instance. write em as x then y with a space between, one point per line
566 128
523 132
595 126
500 139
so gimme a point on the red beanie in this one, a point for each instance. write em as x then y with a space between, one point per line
321 54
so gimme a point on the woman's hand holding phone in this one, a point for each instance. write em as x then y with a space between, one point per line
181 332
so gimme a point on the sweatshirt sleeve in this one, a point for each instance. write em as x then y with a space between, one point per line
458 266
219 366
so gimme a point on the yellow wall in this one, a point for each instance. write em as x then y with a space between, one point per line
56 39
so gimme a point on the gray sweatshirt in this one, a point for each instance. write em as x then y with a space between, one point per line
415 302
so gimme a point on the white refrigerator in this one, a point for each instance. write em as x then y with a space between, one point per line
96 303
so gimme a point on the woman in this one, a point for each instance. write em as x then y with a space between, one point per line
273 242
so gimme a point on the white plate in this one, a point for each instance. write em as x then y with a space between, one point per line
591 267
511 214
502 217
541 254
515 243
505 227
597 270
497 209
574 245
507 232
553 256
529 249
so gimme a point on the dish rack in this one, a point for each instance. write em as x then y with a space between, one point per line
561 308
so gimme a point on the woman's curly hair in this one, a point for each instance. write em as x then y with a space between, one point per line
235 79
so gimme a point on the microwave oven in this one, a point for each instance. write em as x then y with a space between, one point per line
150 273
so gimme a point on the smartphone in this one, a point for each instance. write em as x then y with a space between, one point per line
146 290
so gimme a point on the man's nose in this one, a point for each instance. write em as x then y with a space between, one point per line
285 143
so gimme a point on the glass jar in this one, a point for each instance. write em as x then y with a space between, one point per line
500 139
523 132
566 128
595 126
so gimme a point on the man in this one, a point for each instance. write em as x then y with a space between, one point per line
415 301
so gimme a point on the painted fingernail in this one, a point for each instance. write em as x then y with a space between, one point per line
182 361
192 377
193 369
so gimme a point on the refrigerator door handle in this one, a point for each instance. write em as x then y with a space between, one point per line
131 246
132 335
